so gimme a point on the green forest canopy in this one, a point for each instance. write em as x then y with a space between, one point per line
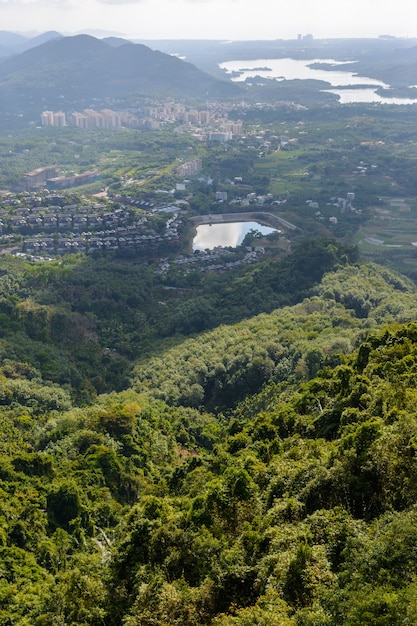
260 473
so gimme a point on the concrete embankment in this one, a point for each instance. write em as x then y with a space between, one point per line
267 219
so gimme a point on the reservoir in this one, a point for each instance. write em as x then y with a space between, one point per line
225 235
363 88
291 69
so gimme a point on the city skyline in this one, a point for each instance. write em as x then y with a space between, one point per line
211 19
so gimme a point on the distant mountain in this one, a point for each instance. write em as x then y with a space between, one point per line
78 69
10 43
14 43
116 41
11 39
40 39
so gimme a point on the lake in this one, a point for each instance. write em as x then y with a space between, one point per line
349 96
225 235
291 69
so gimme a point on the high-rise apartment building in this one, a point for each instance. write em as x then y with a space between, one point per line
53 118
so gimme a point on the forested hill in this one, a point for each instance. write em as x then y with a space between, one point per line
82 322
77 69
221 367
261 473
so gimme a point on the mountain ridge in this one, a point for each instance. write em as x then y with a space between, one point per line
81 67
14 43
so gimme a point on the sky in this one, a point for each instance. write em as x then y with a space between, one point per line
212 19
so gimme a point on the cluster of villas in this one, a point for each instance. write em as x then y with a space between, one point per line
67 229
218 259
87 242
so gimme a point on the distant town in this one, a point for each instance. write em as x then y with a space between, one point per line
217 126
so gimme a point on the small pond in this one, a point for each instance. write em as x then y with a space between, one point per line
225 235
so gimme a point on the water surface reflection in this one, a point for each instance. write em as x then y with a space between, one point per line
226 235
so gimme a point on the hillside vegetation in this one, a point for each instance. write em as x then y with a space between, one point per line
80 68
259 473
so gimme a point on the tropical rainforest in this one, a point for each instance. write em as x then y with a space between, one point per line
243 458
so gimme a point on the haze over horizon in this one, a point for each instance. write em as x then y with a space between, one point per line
212 19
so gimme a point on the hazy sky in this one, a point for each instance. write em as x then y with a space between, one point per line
213 19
